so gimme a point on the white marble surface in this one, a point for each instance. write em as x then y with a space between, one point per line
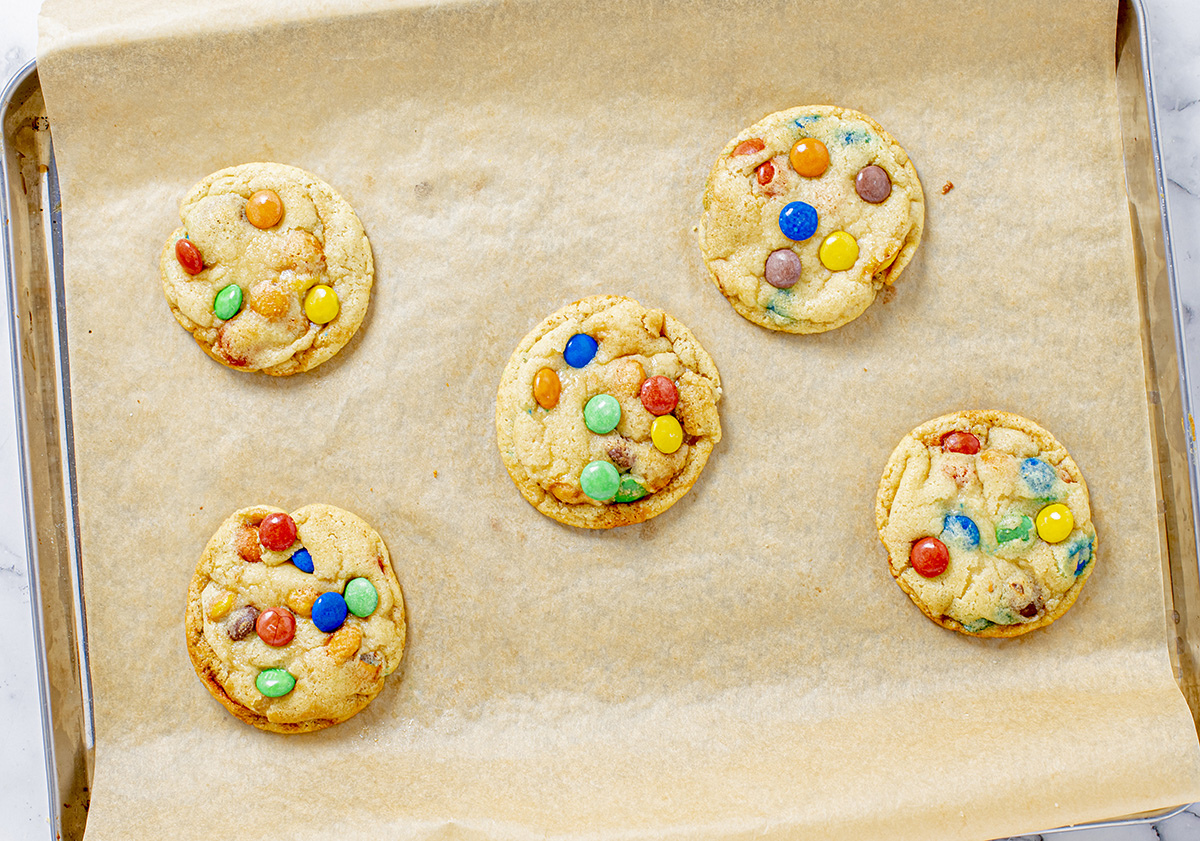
24 799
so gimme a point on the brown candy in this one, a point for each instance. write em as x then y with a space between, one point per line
370 658
872 184
1029 611
241 622
264 209
783 268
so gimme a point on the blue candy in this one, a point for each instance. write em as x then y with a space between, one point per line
580 350
329 612
302 560
960 529
1038 476
798 221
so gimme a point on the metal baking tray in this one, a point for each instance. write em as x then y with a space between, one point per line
32 246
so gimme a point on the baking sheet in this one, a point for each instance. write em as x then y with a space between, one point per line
740 664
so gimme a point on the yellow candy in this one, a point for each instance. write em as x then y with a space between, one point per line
1054 523
667 434
220 607
321 304
839 251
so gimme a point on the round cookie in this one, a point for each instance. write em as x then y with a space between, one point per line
607 413
271 271
986 522
293 622
808 213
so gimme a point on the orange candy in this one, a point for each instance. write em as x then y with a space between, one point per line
809 157
264 209
546 388
270 303
749 147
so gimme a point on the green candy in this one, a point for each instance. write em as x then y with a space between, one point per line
275 683
600 481
1013 527
228 302
631 490
602 414
361 597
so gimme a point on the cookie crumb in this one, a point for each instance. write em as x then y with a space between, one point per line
947 187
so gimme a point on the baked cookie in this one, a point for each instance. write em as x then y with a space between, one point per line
807 215
607 413
294 621
271 270
986 522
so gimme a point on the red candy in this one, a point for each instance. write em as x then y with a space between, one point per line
960 442
188 256
929 557
659 395
276 626
749 147
277 532
766 171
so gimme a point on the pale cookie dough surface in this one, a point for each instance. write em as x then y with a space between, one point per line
740 225
338 673
545 450
318 240
1013 581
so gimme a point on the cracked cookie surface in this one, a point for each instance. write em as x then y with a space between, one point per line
987 524
314 606
607 412
779 268
267 269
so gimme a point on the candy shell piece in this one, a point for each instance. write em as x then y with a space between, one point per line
321 304
602 414
580 350
631 490
1054 523
783 268
277 531
188 256
667 434
961 530
600 481
302 560
546 388
839 251
809 157
228 302
361 597
276 626
329 612
929 557
1013 527
798 220
659 395
264 209
275 683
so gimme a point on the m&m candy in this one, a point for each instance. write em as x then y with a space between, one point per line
1038 477
188 256
546 388
872 184
960 442
264 209
228 302
321 304
748 147
839 251
361 597
1054 523
580 350
600 481
631 490
798 220
809 157
275 683
277 531
667 434
302 560
783 268
602 414
659 395
929 557
276 626
960 529
1013 527
329 612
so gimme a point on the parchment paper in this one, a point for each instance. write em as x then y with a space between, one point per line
741 666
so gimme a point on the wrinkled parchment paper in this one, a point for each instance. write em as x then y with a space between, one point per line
741 666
